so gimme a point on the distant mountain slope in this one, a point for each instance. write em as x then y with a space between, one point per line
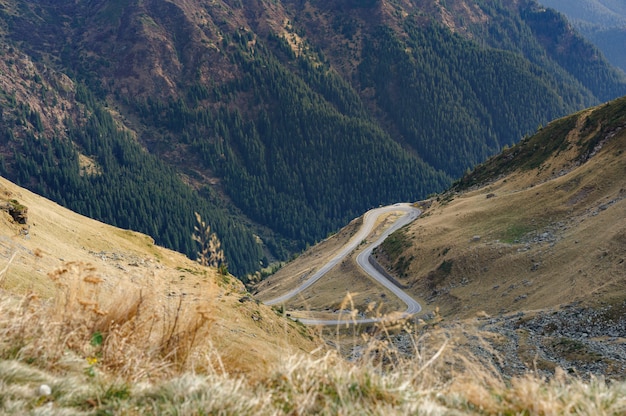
608 13
277 121
601 21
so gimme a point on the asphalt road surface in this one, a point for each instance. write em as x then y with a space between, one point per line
369 221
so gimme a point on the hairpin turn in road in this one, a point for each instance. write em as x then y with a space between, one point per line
369 221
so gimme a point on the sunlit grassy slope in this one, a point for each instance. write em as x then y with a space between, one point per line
538 226
83 270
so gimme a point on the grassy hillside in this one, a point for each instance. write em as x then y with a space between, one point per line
547 210
534 232
98 320
74 277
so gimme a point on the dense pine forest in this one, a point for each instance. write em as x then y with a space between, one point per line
278 122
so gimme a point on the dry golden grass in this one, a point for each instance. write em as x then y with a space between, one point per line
138 366
483 250
117 333
119 275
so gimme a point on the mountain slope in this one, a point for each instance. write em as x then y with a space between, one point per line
531 242
88 273
601 21
546 212
603 13
536 232
277 122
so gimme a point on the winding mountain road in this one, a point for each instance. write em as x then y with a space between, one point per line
369 221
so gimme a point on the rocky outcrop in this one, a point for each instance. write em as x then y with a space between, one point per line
17 211
587 342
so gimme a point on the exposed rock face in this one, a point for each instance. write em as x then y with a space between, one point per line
17 211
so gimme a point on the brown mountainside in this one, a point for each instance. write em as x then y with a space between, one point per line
537 226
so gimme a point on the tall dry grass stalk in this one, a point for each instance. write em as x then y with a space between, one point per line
6 267
118 329
211 252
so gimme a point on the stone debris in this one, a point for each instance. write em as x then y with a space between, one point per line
44 390
582 341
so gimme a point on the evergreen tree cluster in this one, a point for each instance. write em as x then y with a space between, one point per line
309 161
131 188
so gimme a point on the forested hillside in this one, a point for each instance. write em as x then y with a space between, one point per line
278 122
601 21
